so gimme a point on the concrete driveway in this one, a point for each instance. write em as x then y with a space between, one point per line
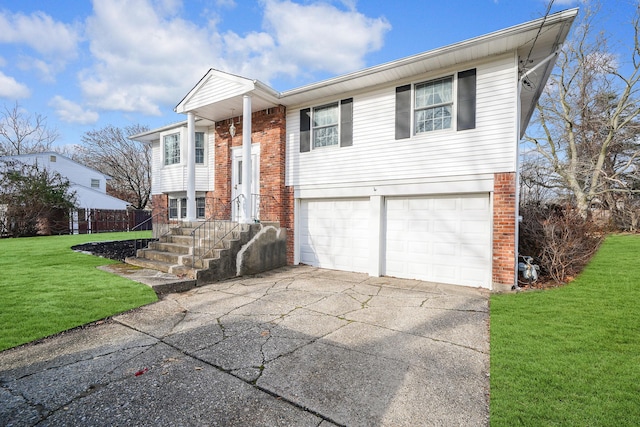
298 346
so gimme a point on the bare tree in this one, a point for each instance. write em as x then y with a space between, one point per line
127 162
21 133
586 126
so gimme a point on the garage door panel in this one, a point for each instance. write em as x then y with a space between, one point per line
445 205
334 233
444 239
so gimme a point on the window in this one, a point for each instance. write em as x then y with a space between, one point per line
171 149
178 208
199 148
183 208
433 105
200 213
327 125
429 106
53 159
173 208
95 183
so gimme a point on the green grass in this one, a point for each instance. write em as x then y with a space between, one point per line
46 288
570 356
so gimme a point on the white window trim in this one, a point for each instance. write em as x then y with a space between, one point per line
454 105
313 129
164 151
205 139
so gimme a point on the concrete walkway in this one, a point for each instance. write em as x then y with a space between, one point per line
298 346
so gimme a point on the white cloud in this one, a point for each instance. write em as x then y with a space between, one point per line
70 112
321 37
12 89
54 43
40 32
142 58
147 56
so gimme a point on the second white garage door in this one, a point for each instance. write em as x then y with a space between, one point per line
334 234
440 239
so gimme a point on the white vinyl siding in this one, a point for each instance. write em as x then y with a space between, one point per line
217 89
376 155
173 178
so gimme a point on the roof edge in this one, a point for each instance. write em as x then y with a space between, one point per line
549 20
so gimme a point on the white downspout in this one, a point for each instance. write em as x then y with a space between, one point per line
519 114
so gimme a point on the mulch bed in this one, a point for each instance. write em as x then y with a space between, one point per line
117 250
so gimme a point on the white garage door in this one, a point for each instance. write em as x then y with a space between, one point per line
334 234
439 239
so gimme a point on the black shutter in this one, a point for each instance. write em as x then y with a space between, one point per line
346 122
467 99
305 130
403 112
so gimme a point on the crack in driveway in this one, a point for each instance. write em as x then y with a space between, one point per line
316 346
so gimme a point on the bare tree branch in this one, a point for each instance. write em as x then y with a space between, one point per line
21 133
127 162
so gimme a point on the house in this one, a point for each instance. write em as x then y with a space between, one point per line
89 185
406 169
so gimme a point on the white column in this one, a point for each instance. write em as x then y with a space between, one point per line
191 167
246 158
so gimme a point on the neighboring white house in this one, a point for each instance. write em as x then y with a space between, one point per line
89 185
406 169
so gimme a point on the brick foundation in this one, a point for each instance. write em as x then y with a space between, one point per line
504 228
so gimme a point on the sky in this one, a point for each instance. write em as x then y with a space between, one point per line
87 64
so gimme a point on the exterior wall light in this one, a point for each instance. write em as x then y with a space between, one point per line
232 128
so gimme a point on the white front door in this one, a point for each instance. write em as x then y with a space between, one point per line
237 202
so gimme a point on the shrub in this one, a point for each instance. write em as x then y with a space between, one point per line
559 239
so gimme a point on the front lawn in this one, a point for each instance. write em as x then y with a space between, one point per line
571 355
46 288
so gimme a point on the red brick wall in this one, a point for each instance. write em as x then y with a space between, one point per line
160 203
268 128
504 228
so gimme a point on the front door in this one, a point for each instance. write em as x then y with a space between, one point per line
237 204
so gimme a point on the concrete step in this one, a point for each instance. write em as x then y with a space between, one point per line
177 270
187 250
170 247
166 257
173 253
